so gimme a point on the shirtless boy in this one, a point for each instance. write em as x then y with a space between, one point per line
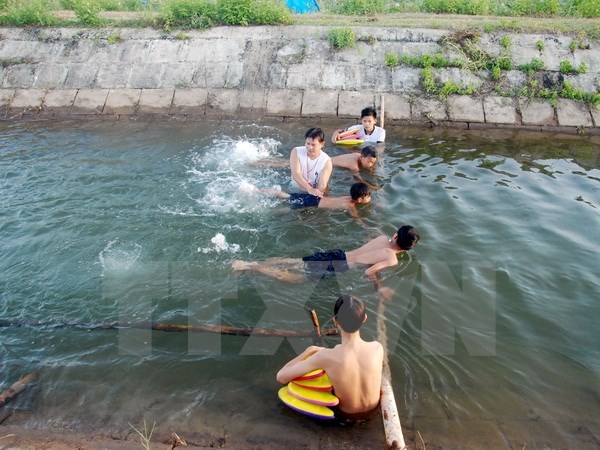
376 254
366 159
354 366
359 193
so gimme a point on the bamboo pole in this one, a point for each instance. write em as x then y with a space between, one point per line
389 410
168 327
16 388
382 115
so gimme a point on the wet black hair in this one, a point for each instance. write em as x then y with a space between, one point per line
407 237
368 111
368 152
358 190
350 313
315 133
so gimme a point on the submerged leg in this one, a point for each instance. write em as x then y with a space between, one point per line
272 267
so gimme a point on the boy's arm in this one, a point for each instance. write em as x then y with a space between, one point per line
373 271
324 178
336 135
362 180
307 361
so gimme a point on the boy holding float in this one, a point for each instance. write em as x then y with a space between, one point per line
366 131
354 366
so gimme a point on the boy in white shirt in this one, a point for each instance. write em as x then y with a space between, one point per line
367 131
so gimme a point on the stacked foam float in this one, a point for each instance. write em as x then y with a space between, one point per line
310 394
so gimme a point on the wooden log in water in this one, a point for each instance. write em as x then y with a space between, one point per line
16 388
168 327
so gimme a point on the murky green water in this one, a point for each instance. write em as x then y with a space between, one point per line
492 333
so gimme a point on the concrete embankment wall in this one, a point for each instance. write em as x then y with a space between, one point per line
284 72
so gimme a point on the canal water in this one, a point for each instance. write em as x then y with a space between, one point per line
492 331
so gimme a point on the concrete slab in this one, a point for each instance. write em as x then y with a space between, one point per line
223 101
6 96
59 101
284 103
50 76
429 109
463 108
122 101
89 101
596 116
155 101
189 101
253 100
351 103
572 113
320 104
397 107
501 110
537 112
27 101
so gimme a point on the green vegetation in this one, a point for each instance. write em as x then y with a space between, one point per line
535 65
340 38
567 66
391 59
32 12
358 7
206 13
539 44
437 60
88 13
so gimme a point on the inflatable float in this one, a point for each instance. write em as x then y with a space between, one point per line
311 395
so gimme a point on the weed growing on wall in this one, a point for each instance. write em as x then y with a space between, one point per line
391 59
188 14
27 12
567 66
340 38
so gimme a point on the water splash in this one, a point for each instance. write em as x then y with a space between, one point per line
220 245
119 257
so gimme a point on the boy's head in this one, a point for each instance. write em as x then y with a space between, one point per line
368 118
360 193
368 157
316 134
407 237
349 313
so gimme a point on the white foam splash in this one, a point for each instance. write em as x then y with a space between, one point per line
220 245
118 257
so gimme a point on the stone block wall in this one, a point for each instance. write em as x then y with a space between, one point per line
285 72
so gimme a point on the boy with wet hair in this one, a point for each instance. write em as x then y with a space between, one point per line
354 366
377 254
367 130
359 194
366 159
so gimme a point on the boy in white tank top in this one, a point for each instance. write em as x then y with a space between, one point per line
310 166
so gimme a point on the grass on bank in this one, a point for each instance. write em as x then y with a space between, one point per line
576 17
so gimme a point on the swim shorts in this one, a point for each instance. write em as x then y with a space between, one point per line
344 418
303 200
325 263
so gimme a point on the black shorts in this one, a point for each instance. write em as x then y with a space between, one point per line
325 263
303 200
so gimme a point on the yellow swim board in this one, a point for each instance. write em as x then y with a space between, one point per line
309 409
322 383
323 398
350 142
